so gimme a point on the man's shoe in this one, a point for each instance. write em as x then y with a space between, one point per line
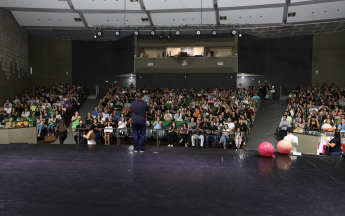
169 145
135 151
142 151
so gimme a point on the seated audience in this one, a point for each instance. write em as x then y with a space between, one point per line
283 125
22 123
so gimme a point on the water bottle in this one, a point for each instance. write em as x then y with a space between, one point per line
314 133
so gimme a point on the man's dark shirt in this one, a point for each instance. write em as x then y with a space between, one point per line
206 125
198 132
139 108
243 127
118 106
213 129
81 127
173 110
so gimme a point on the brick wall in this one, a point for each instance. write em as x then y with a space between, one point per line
14 57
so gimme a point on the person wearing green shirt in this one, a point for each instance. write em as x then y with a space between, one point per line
75 122
33 108
126 86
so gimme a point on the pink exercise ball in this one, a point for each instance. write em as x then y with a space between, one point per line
284 147
266 149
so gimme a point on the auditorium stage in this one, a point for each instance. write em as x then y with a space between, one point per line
112 180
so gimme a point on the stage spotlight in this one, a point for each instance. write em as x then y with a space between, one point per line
95 35
117 33
239 34
152 33
177 32
99 34
169 36
214 32
234 32
136 33
198 32
161 36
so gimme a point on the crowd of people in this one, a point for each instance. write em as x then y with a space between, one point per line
221 115
315 110
43 107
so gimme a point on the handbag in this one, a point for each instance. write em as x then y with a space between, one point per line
327 150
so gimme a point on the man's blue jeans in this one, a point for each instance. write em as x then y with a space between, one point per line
98 137
214 140
139 129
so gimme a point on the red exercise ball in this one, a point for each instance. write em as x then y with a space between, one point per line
266 149
284 147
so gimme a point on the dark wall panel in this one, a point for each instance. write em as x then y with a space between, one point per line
181 81
288 61
50 59
251 54
329 58
95 62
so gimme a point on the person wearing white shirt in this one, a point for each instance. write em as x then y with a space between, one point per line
8 109
313 109
58 104
25 113
47 105
105 115
178 116
57 115
230 124
292 139
328 125
8 103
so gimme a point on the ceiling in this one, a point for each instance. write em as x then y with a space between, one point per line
263 18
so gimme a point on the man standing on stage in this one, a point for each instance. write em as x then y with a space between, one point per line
139 108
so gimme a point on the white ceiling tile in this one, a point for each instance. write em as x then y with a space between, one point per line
54 4
253 16
105 5
176 4
47 19
176 19
115 19
239 3
317 12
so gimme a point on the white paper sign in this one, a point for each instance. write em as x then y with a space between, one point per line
220 63
150 64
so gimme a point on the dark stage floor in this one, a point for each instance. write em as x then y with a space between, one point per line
78 180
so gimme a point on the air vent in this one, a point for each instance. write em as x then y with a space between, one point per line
145 19
134 0
222 17
292 14
77 19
